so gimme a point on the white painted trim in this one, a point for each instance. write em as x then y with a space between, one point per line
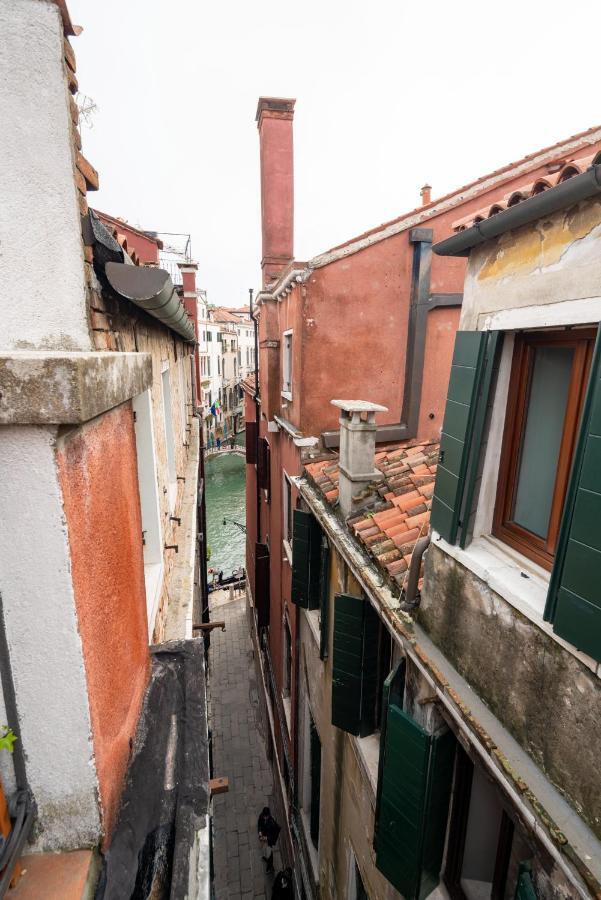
368 751
487 495
287 395
548 315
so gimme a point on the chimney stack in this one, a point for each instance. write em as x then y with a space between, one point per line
188 271
274 121
425 194
357 451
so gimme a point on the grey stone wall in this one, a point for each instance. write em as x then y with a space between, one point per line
544 696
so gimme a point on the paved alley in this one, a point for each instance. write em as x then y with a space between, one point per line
239 754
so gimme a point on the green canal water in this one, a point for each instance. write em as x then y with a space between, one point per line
225 498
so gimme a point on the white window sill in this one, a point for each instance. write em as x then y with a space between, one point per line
287 704
368 750
287 551
312 618
516 579
287 395
153 580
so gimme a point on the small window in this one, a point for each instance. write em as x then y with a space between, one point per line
287 512
287 366
209 336
169 439
548 382
484 845
149 504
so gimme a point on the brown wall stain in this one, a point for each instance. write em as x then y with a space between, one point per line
98 474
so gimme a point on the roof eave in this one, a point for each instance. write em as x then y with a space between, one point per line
580 187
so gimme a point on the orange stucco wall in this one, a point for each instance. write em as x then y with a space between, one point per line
98 473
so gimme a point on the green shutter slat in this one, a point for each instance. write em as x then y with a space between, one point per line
440 779
524 888
354 665
574 600
301 548
455 445
402 802
306 560
392 692
324 598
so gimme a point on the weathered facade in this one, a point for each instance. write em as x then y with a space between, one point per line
316 343
420 786
99 448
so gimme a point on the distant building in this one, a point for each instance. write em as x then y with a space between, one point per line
321 338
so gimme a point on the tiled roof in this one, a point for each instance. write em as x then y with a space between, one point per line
507 169
221 314
570 168
396 509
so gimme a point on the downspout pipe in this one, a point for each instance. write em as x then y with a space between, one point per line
257 411
411 600
575 189
23 804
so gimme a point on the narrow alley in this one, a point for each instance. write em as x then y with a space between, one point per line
239 753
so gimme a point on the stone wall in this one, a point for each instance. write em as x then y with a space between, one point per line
542 693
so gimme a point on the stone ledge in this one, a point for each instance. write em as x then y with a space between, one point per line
41 387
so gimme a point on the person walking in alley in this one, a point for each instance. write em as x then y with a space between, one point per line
282 886
269 831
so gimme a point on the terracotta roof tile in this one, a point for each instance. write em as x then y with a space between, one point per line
570 168
396 511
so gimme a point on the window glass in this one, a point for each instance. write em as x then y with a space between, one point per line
546 409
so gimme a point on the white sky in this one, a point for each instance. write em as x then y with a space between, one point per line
390 94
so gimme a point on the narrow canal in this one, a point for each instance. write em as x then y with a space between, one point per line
225 497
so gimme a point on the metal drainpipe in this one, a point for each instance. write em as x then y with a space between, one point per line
411 602
257 415
24 805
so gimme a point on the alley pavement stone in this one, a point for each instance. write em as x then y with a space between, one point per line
239 753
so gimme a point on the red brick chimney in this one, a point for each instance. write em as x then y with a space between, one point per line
190 298
274 121
425 194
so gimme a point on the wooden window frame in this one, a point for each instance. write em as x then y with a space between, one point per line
540 550
460 807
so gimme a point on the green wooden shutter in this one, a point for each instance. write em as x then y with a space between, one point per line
354 665
392 692
324 598
306 563
465 383
524 888
574 599
315 752
306 554
416 777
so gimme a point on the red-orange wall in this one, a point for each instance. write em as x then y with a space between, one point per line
98 474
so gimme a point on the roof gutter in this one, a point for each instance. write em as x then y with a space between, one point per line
152 290
575 189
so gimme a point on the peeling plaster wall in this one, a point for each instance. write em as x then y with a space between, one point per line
42 254
555 260
547 698
134 330
45 646
99 479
